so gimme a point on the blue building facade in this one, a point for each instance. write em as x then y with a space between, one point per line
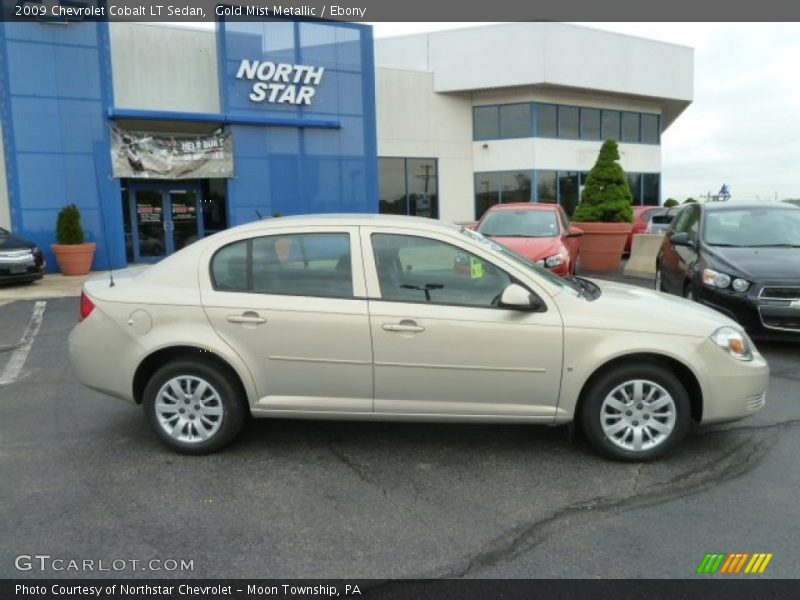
296 98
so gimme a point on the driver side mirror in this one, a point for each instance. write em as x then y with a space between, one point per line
517 297
573 232
681 239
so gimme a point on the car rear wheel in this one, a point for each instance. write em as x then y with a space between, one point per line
659 279
636 413
193 407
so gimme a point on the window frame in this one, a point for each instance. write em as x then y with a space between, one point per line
356 262
376 295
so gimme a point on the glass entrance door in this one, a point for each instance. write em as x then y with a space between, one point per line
165 219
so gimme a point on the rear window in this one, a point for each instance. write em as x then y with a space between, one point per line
312 264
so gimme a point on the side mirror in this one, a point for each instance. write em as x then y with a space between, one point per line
681 239
574 232
516 296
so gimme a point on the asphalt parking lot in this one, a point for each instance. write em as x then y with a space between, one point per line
84 478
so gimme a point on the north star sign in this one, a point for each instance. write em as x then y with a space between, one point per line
280 83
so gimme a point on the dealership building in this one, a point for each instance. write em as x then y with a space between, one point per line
164 134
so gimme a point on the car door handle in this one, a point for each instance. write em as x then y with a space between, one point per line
404 326
250 318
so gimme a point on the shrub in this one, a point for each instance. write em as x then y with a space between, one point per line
606 197
690 201
68 228
670 202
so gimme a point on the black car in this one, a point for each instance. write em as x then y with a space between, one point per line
740 259
20 260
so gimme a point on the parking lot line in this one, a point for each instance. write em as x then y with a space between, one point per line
20 355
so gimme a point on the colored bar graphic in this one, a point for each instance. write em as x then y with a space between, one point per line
734 563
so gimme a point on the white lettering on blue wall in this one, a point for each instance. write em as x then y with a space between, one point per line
280 83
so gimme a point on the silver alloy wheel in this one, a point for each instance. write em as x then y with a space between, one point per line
638 415
189 409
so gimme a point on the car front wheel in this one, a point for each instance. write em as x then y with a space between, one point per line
636 413
194 407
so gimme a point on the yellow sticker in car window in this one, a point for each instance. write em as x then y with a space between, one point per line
475 267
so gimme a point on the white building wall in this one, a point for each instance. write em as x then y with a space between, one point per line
414 121
5 209
164 68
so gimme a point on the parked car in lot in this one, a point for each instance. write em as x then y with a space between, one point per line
740 259
641 219
21 261
538 231
373 317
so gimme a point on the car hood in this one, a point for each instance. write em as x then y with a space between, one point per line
535 248
756 264
12 242
622 307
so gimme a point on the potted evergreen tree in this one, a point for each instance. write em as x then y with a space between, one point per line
73 255
605 212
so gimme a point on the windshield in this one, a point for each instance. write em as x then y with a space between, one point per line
564 284
520 223
752 227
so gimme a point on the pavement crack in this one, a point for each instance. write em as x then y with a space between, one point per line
361 472
526 536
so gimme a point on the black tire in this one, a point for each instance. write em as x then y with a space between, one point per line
590 412
232 404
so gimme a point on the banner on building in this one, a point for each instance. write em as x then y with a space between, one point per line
143 155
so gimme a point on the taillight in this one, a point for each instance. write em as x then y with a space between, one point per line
87 306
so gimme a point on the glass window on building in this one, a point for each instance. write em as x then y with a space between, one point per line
611 119
568 191
515 121
546 120
214 205
487 192
568 122
392 186
650 129
635 183
630 127
485 123
546 186
422 187
590 124
651 189
126 220
516 187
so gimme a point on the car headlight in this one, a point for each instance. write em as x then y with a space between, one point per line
716 279
733 342
740 285
553 261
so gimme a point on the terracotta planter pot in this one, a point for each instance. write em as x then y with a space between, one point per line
602 245
74 259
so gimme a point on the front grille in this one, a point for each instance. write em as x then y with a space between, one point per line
756 402
791 322
780 293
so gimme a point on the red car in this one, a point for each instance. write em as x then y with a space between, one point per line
641 217
539 231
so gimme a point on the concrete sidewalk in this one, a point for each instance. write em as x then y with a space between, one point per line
56 285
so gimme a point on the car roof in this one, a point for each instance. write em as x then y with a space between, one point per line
524 206
355 219
715 206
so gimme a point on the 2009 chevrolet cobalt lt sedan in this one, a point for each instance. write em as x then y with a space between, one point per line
403 318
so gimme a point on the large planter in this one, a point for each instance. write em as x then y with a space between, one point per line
74 259
602 245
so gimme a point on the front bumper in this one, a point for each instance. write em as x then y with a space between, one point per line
732 389
21 269
762 317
